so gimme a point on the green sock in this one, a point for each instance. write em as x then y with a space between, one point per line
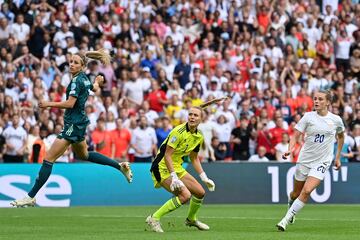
169 206
195 204
99 158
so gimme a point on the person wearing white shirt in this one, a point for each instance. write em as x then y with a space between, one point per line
260 157
350 27
144 141
342 54
320 129
282 147
60 36
15 138
133 89
169 67
313 33
273 52
223 132
174 32
329 13
20 30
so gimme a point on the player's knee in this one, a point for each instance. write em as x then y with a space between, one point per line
200 193
306 192
184 196
82 156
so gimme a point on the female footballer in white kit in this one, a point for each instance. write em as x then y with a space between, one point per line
320 128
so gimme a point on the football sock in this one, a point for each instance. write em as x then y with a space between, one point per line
195 204
99 158
169 206
42 177
294 209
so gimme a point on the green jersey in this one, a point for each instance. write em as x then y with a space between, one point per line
79 87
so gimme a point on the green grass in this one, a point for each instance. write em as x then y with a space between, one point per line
226 222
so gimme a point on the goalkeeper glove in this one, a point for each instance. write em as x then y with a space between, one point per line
176 183
209 183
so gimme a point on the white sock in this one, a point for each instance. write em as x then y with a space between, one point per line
294 209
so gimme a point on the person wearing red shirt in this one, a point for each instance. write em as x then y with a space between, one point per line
121 138
302 98
275 134
102 138
263 17
157 98
263 138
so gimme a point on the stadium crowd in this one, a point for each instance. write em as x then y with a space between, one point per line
268 57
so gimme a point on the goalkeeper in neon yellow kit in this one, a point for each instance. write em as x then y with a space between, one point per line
167 172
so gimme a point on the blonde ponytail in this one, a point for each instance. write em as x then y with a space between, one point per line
102 55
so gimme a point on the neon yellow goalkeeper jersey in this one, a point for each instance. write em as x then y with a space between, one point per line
183 142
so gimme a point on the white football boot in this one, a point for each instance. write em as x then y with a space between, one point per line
126 170
154 224
25 202
282 225
199 225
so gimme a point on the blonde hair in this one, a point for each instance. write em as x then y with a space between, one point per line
102 55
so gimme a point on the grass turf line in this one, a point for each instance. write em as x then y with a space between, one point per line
226 222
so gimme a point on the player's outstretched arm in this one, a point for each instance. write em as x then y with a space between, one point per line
69 103
293 140
198 168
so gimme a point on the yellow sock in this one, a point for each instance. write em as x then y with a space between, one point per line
169 206
195 204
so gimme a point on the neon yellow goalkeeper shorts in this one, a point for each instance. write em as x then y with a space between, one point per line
159 175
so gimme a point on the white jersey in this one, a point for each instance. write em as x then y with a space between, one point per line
320 134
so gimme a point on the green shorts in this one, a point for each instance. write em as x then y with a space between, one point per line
74 133
159 175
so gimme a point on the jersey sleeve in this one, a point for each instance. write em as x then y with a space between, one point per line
197 148
339 125
174 139
301 125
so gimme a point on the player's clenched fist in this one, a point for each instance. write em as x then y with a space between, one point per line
209 183
42 104
100 80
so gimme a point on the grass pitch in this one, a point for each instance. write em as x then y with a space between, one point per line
257 222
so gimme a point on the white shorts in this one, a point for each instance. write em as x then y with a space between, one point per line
316 170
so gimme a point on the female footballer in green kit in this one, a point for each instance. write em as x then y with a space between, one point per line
167 172
75 124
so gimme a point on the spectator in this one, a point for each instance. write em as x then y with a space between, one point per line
162 129
16 139
240 138
102 139
260 157
144 141
20 30
157 98
121 138
282 147
220 149
182 71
